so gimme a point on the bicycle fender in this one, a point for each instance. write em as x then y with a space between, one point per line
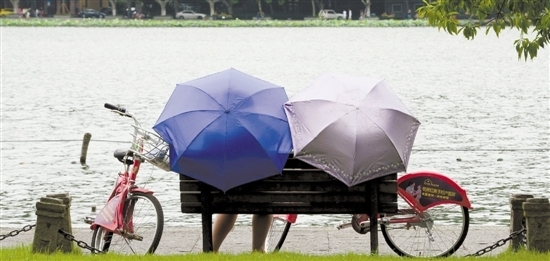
142 190
426 189
290 218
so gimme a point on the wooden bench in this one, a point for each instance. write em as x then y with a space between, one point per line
301 189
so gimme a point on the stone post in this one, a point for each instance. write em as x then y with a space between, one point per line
52 214
537 218
516 218
49 212
65 222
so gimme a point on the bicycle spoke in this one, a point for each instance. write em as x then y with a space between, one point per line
440 231
277 234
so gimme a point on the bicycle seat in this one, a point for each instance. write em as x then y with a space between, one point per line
121 153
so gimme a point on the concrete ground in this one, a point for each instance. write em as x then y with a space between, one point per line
306 240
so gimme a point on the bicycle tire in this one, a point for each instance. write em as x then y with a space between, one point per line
449 226
146 222
277 233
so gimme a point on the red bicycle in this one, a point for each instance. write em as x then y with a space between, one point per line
132 220
432 218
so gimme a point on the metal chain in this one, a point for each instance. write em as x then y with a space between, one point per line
499 243
81 244
16 232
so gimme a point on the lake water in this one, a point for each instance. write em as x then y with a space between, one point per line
476 102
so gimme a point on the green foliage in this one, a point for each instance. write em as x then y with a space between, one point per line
529 17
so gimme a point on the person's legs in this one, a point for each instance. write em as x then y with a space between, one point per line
260 228
222 226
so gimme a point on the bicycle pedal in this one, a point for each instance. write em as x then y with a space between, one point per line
343 226
133 236
89 220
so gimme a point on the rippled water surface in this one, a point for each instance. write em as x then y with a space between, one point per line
476 102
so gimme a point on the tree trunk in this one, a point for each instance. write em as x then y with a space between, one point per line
15 4
113 6
211 4
260 12
320 5
162 4
163 8
313 8
229 7
367 9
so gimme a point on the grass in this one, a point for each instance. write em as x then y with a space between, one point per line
67 22
22 253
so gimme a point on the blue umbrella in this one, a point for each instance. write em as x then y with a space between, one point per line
226 129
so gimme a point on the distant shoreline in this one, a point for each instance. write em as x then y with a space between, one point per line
168 22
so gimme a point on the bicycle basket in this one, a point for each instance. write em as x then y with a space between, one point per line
152 148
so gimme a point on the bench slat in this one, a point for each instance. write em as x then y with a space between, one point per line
291 209
294 163
247 198
257 208
291 175
304 208
262 186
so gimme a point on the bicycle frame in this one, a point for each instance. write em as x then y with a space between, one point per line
111 215
436 189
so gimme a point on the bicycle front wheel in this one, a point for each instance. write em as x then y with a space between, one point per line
142 229
277 234
439 233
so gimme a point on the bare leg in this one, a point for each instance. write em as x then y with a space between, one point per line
260 228
222 226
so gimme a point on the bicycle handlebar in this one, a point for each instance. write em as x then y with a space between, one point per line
122 112
114 107
118 109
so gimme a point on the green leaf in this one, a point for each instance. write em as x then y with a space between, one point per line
533 48
518 49
497 29
452 27
489 26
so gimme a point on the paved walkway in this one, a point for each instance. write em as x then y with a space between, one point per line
312 240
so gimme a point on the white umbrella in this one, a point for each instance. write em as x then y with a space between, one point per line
352 127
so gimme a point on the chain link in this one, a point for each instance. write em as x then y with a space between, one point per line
500 243
16 232
81 244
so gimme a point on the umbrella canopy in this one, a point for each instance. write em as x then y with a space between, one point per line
352 127
226 129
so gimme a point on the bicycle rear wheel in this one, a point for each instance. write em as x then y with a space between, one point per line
277 234
440 232
143 226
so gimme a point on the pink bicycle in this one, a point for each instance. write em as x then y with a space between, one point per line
432 218
132 220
